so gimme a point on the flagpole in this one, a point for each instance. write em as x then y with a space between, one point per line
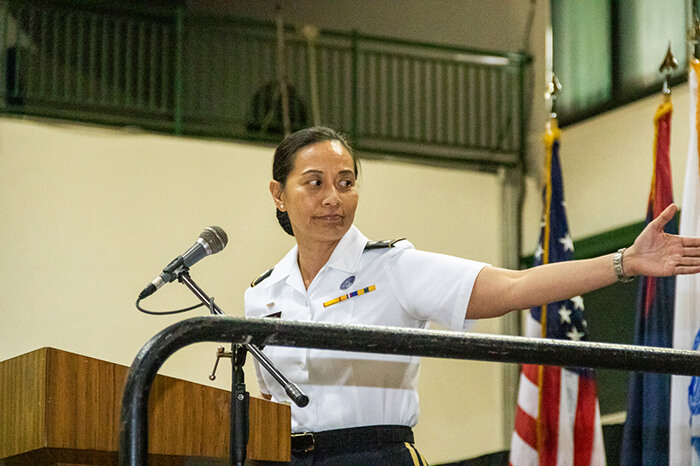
645 437
551 134
686 319
557 420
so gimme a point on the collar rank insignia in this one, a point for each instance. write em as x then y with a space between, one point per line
388 243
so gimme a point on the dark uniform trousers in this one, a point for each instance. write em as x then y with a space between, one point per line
360 446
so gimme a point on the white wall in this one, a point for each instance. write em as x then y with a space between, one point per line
608 163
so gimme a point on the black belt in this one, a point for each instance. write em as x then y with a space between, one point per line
347 439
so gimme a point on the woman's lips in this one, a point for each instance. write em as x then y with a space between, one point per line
330 218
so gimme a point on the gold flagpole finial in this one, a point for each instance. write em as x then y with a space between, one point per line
694 33
667 66
553 90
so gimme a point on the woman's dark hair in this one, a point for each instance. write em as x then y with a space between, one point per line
286 152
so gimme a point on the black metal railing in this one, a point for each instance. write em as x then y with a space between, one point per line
133 446
174 71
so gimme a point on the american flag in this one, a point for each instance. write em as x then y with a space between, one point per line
557 420
645 438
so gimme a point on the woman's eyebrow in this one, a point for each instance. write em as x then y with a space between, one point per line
312 171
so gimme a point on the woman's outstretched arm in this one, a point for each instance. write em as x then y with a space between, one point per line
654 253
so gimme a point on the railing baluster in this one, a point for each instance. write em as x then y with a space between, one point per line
116 50
66 43
18 60
80 54
355 63
41 54
179 54
458 97
165 104
104 56
372 84
141 68
152 68
444 105
92 65
29 74
421 111
128 64
4 91
403 100
54 59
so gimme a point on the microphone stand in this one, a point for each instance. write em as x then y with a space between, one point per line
239 396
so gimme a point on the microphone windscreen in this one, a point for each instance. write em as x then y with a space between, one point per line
215 237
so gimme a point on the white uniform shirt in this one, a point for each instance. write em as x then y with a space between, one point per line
348 389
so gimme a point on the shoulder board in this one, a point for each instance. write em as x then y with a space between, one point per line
387 243
261 277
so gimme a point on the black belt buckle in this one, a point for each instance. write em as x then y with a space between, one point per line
303 442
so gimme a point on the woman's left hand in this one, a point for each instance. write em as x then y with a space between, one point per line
658 254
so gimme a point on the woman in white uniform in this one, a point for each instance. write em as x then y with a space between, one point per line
362 405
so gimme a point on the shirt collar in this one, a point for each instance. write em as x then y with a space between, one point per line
284 268
346 257
348 252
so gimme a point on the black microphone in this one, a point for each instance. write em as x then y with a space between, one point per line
212 240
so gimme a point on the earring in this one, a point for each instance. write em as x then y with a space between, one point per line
281 206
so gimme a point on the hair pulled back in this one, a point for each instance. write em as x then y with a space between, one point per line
285 156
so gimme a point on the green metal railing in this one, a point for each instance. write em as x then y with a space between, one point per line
171 71
88 65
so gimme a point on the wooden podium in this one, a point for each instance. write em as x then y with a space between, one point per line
58 407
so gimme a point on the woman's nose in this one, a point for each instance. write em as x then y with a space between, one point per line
331 196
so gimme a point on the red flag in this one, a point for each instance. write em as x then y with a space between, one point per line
645 437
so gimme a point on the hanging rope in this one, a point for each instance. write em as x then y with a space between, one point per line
310 34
